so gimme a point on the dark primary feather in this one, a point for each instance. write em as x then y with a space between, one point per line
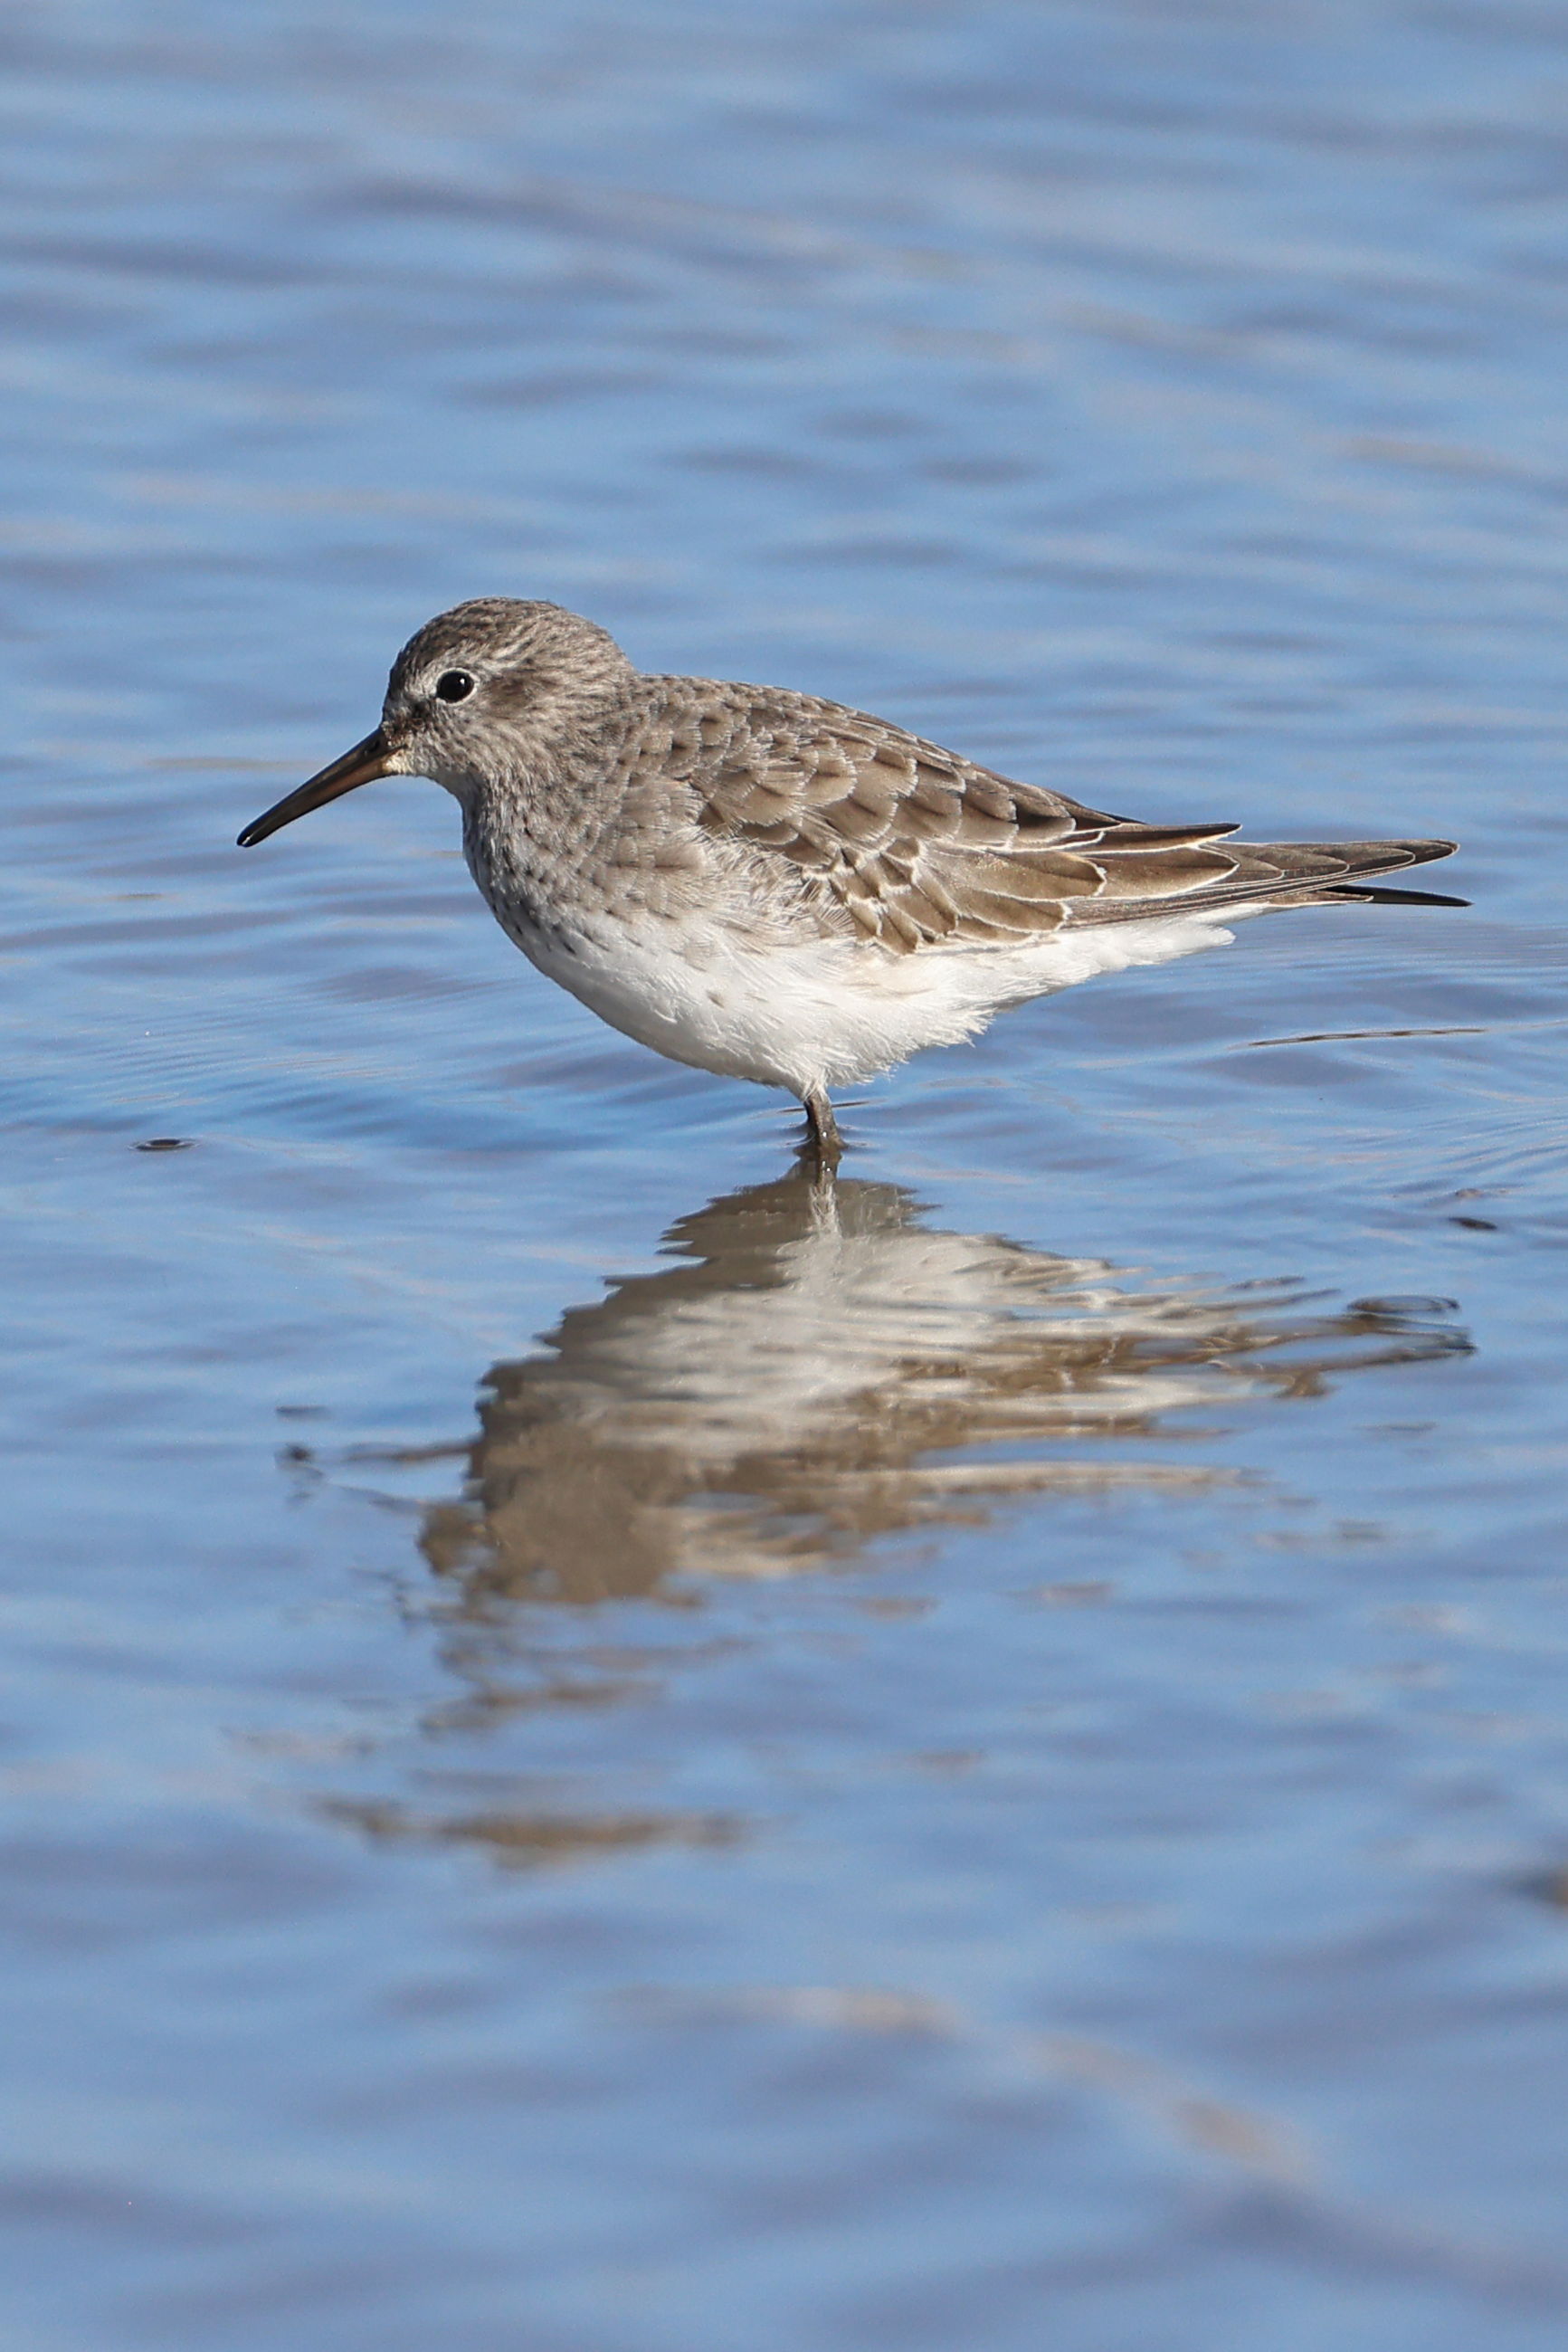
920 846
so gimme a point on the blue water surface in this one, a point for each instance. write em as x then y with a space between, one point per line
601 1752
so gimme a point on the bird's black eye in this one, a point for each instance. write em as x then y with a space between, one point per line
454 685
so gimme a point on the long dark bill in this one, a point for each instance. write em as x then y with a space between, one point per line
362 765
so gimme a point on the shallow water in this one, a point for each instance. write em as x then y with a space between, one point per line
604 1750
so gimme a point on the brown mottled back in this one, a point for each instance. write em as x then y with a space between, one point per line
920 846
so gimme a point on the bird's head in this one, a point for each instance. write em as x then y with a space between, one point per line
479 695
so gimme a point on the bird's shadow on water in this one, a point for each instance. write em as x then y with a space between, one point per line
819 1367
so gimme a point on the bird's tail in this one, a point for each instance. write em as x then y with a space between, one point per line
1304 882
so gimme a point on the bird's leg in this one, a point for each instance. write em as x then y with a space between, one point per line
824 1142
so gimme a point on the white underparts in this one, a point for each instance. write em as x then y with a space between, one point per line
828 1014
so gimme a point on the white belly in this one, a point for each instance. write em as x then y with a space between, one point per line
826 1012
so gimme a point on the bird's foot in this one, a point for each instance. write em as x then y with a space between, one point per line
822 1145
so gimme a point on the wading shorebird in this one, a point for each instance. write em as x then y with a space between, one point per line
773 887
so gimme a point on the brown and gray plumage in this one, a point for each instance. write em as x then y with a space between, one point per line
774 887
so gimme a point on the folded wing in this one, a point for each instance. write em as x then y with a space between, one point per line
921 847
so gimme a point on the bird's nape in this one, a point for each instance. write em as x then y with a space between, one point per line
769 885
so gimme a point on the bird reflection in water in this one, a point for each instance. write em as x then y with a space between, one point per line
819 1367
814 1369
